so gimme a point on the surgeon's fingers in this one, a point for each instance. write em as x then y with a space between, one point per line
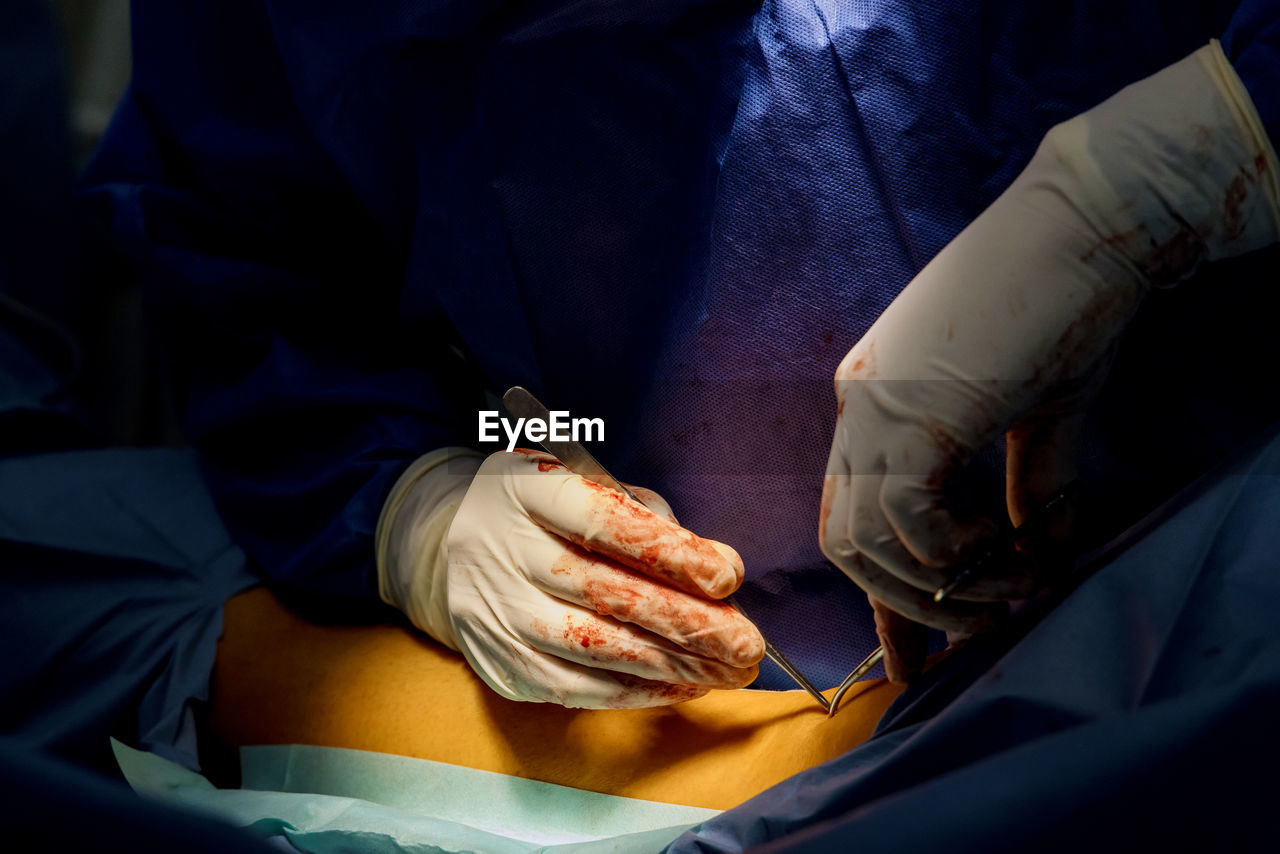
857 537
541 677
834 512
710 629
840 509
634 692
1041 460
594 641
706 628
916 604
905 643
998 581
864 529
926 540
606 522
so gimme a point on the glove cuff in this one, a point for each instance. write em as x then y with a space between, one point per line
1264 169
1174 169
412 556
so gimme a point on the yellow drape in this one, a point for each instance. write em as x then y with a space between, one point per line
281 680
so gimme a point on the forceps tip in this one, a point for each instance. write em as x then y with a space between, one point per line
849 681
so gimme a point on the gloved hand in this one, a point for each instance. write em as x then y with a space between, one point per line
557 589
1010 328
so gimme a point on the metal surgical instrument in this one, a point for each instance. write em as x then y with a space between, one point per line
1004 543
858 672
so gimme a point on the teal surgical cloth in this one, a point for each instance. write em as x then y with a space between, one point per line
325 799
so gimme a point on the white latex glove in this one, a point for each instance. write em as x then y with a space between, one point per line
1010 328
556 589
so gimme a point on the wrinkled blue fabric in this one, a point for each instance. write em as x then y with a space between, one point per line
676 216
1137 715
308 222
116 566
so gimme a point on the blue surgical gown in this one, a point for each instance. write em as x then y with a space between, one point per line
329 282
354 219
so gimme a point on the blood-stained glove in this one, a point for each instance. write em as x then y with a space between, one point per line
557 589
1011 326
